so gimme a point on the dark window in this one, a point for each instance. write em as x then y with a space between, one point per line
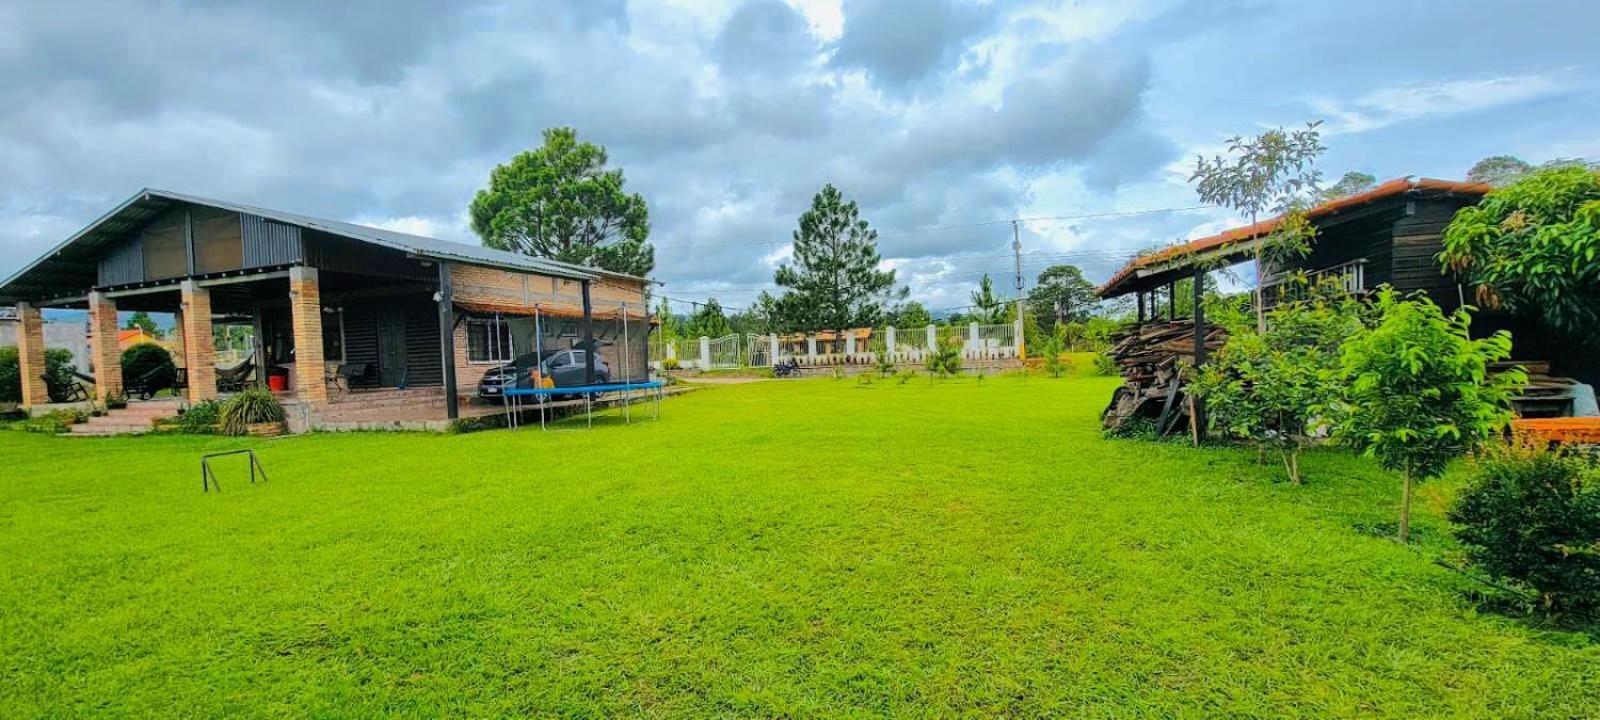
488 340
164 253
218 240
333 336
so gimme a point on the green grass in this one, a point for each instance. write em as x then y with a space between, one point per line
803 548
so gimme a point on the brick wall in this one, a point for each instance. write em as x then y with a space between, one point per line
199 349
305 311
103 350
30 355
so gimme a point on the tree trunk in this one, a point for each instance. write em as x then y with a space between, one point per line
1405 508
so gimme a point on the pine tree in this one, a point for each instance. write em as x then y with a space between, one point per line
834 282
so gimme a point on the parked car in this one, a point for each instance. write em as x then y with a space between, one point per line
563 367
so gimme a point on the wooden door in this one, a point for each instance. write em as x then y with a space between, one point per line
391 348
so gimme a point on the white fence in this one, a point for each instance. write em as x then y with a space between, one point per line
860 346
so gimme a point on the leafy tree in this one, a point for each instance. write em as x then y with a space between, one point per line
1268 388
910 314
1351 183
1533 516
834 282
1419 390
140 320
709 321
672 326
1062 294
1272 172
1498 170
152 361
57 364
560 201
1534 247
986 307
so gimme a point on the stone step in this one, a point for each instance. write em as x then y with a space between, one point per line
115 419
106 430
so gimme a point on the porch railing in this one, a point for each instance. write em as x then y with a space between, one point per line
1350 276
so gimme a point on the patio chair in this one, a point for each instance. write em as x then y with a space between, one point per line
351 374
58 391
147 385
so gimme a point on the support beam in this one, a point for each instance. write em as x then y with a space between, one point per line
1197 410
588 337
30 355
105 357
447 341
305 315
199 345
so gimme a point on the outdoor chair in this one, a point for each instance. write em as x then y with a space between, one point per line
235 378
71 391
147 385
352 374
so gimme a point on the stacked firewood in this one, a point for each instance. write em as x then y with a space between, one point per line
1545 395
1154 359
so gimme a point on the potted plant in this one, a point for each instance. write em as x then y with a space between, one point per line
253 411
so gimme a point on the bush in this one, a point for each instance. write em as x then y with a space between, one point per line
146 358
883 363
201 418
56 421
251 406
1104 364
671 363
1533 516
57 364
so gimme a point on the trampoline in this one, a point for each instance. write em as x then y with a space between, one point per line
514 404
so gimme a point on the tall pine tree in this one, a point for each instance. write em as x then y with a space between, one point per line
834 282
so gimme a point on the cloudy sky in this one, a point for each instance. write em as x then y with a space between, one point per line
943 118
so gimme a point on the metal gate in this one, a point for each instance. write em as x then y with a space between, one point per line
725 351
759 350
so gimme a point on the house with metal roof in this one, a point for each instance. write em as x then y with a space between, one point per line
342 313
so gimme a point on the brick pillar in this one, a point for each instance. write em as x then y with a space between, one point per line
305 311
30 355
199 348
103 351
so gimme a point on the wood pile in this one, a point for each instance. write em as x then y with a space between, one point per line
1545 395
1154 358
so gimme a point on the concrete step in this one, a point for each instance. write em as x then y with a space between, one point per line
104 430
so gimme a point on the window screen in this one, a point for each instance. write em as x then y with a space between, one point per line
164 254
333 337
218 240
488 340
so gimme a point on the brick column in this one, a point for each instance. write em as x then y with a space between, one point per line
30 355
305 311
103 350
199 348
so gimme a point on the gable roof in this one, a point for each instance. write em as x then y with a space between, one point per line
71 264
1177 255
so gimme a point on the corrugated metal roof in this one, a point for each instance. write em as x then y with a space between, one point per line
71 266
1237 236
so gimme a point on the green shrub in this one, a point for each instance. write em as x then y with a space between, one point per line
57 364
250 406
883 363
1533 517
56 421
201 418
671 363
145 358
1104 365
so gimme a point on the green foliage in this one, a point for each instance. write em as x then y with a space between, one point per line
945 360
1267 388
987 308
53 422
248 407
883 363
145 358
1105 365
140 320
202 418
909 314
709 321
1272 172
1053 351
560 201
57 365
1533 516
905 376
1534 247
1419 392
834 282
1062 294
671 363
1498 170
1351 183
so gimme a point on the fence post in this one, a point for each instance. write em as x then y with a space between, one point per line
972 339
1017 345
705 353
672 350
811 347
933 338
850 342
773 340
889 340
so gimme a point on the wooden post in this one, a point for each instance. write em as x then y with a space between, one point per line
447 341
1197 408
588 337
1140 297
1172 300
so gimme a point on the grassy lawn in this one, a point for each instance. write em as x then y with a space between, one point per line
805 548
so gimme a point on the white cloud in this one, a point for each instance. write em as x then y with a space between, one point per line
1387 106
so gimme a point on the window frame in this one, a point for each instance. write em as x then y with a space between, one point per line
491 344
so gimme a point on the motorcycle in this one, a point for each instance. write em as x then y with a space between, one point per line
786 368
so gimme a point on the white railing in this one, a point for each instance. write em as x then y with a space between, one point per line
905 345
1351 277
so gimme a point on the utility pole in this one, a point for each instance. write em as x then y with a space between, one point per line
1016 253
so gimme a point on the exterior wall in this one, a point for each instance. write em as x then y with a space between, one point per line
423 364
199 347
470 283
